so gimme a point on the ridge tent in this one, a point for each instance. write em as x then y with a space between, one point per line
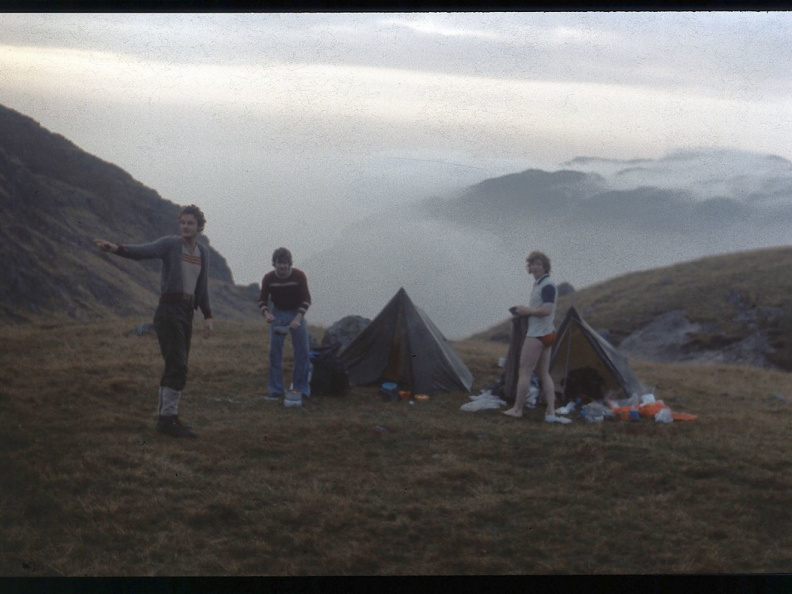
579 348
579 351
403 345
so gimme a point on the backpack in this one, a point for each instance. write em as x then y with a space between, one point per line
329 376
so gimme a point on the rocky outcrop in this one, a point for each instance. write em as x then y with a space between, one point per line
344 330
752 350
672 337
663 339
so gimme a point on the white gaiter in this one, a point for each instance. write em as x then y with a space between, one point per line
168 401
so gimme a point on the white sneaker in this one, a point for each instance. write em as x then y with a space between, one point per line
555 419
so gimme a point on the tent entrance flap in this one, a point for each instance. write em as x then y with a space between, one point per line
586 356
395 370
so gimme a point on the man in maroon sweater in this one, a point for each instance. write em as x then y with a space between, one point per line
283 301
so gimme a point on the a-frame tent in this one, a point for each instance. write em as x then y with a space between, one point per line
403 345
578 347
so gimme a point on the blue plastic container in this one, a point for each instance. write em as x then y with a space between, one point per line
389 392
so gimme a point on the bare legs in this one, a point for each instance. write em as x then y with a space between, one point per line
534 355
548 386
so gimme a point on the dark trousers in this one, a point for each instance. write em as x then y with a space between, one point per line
173 324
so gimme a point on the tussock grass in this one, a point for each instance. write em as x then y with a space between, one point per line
354 485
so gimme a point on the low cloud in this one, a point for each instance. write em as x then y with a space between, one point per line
705 173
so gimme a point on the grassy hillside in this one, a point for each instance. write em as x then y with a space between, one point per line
733 293
354 485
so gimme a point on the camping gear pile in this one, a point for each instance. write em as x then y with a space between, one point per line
591 373
632 409
390 392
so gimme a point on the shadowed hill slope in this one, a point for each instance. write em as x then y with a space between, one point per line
54 199
724 300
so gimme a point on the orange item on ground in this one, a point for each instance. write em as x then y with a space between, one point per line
622 412
650 410
680 416
404 394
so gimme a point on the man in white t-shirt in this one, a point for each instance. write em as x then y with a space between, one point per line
539 338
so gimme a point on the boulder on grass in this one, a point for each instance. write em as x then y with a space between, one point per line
344 331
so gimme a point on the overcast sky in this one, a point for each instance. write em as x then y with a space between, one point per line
286 127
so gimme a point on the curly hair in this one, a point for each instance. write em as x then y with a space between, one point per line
281 255
541 257
196 212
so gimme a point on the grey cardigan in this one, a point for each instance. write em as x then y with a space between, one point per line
169 250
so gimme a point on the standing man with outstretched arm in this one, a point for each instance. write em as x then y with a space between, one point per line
184 287
283 301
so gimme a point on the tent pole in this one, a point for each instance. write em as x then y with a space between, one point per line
566 363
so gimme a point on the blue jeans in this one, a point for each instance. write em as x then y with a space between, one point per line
301 355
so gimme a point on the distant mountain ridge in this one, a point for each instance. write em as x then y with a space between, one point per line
54 200
462 258
759 179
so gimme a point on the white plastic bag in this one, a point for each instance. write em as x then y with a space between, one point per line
664 416
647 399
568 408
482 402
631 401
533 396
484 394
594 412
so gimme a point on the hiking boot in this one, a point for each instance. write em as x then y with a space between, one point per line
556 419
171 425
